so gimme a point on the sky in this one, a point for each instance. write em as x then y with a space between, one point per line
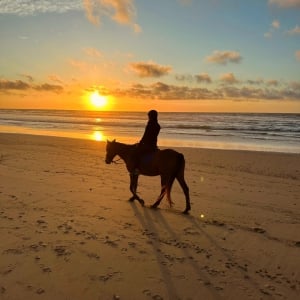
170 55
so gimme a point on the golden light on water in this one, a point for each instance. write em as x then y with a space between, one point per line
98 136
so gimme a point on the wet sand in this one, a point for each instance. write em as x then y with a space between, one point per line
68 232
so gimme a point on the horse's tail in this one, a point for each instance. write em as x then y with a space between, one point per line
179 167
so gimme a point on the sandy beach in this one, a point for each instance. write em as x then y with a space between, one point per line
68 232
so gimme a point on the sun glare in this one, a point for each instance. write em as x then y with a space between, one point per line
98 101
97 136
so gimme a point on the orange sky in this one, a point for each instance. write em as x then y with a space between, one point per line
206 56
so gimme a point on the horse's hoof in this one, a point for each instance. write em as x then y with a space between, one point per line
186 212
131 199
142 202
153 206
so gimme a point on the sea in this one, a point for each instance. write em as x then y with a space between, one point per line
238 131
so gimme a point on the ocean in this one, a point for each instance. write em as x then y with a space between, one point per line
241 131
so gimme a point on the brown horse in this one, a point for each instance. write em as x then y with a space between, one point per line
167 163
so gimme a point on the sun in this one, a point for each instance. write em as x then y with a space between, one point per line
97 100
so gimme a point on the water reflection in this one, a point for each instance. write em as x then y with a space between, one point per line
98 136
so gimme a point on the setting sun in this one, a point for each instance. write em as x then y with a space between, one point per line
98 101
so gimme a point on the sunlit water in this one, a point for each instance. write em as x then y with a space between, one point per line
261 132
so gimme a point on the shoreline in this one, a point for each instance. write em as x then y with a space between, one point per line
164 141
68 230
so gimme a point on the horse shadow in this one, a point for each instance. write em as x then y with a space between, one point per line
151 221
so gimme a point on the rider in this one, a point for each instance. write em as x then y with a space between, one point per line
148 143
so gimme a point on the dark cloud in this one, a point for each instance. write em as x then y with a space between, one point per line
204 77
164 91
143 69
181 77
13 85
48 87
19 85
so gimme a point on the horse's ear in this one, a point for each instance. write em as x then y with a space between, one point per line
114 140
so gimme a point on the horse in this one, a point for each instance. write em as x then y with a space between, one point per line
167 163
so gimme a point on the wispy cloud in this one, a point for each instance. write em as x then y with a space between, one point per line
275 25
28 77
121 11
150 69
30 7
297 54
294 31
224 57
285 3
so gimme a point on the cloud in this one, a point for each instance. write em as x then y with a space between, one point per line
28 77
228 78
55 78
294 31
295 85
204 77
273 82
150 69
224 57
268 35
297 54
255 81
13 85
199 78
29 7
160 90
285 3
184 77
48 87
19 85
276 24
164 91
121 11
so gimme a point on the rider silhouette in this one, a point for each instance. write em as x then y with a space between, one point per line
148 143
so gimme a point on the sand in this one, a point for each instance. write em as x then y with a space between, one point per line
68 232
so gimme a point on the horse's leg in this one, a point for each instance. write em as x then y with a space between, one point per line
168 192
185 188
133 188
162 192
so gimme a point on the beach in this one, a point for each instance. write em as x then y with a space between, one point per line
68 230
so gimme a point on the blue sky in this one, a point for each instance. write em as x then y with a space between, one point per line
218 55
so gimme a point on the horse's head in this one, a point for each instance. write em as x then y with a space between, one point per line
110 151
